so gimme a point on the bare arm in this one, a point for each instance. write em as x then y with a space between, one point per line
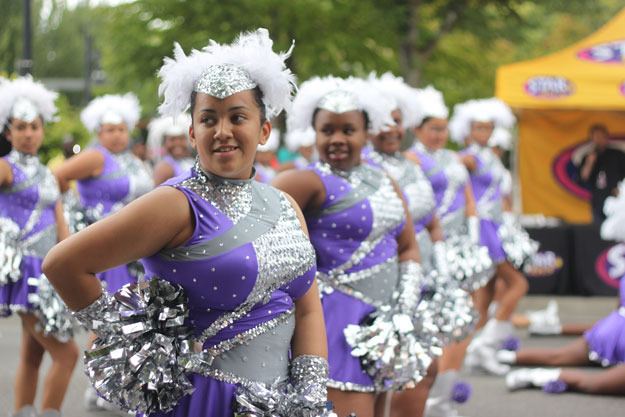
310 331
62 231
435 229
470 209
469 161
125 236
89 163
304 187
589 164
162 172
6 174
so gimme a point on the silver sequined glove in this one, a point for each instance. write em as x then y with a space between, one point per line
309 378
439 250
98 315
473 229
409 289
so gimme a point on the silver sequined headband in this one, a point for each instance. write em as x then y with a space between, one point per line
224 80
339 101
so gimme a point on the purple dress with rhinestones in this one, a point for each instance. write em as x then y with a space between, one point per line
417 191
28 204
606 339
486 182
246 263
123 179
354 233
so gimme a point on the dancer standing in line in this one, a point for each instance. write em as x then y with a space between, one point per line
463 257
302 142
236 322
473 124
31 223
267 165
365 245
448 307
168 139
603 343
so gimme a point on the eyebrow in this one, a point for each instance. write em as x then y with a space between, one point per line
234 108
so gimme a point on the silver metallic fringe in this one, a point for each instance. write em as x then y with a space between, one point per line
516 242
54 318
10 252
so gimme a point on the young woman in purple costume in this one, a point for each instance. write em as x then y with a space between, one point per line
238 248
456 211
603 343
109 176
30 202
358 225
473 124
170 134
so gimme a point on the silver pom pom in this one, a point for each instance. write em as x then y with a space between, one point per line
10 252
389 350
516 242
54 318
136 361
468 263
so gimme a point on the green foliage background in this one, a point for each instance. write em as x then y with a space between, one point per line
455 45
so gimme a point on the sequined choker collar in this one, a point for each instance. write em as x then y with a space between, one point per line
424 148
23 158
207 177
343 174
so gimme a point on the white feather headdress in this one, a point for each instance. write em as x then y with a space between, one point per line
126 107
160 127
501 138
251 52
25 88
427 102
613 227
296 139
401 93
367 99
482 110
273 142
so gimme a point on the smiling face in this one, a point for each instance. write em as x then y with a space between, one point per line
433 133
389 141
177 146
226 132
114 137
481 132
340 137
25 137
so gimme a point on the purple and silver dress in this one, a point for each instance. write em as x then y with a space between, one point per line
179 166
123 179
417 192
606 339
28 208
354 234
467 262
246 263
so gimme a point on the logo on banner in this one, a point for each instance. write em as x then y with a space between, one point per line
605 53
543 264
548 86
566 165
623 88
610 265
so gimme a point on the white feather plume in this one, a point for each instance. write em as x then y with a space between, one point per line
273 142
403 95
296 139
484 110
613 227
377 106
427 102
251 51
501 138
126 106
31 90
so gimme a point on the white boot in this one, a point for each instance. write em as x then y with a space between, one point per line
496 331
506 356
528 377
439 402
90 400
545 322
26 411
483 357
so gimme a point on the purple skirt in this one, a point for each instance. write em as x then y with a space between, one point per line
339 310
115 278
211 398
490 238
14 296
606 339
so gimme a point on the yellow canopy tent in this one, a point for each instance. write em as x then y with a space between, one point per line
557 98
